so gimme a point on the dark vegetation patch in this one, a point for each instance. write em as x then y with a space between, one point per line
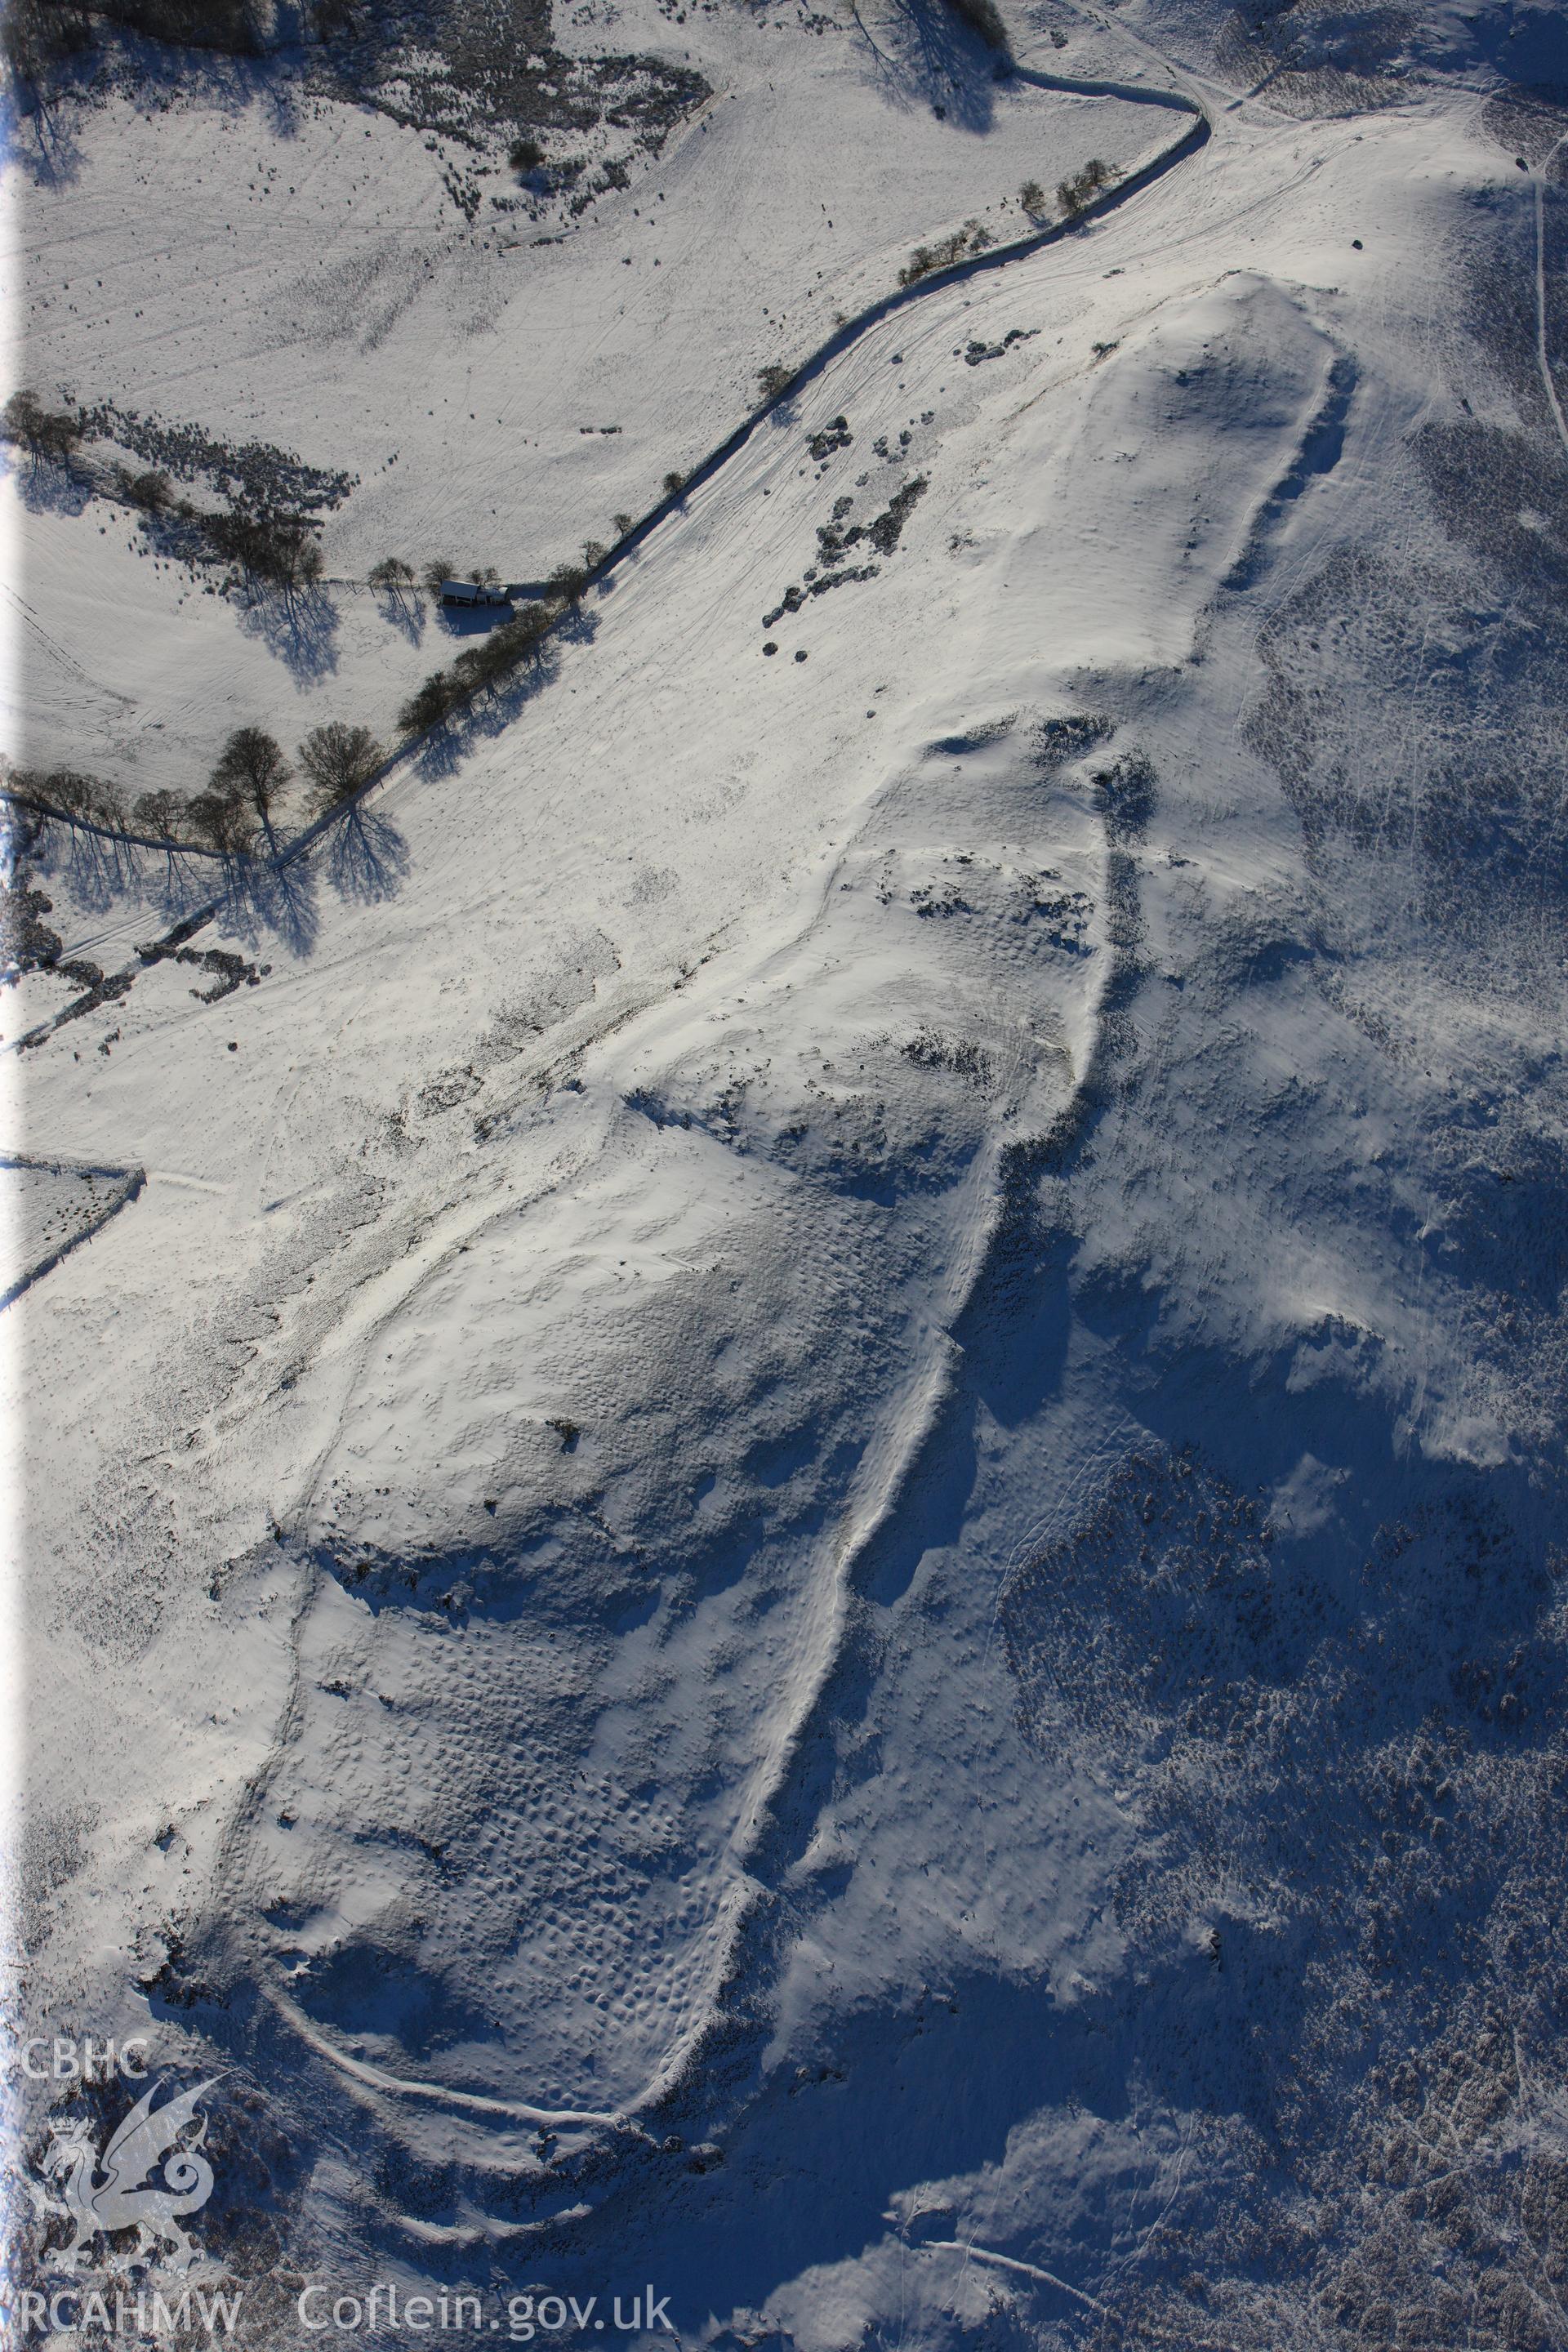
975 351
961 1058
252 474
1324 61
1156 1604
1414 712
53 1848
833 437
483 66
175 1980
942 898
1064 914
482 76
1125 795
926 259
1058 741
44 32
1413 708
836 537
1341 1753
27 943
794 597
227 971
883 532
108 989
1529 122
266 539
972 739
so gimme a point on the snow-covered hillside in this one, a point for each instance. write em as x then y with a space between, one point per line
807 1543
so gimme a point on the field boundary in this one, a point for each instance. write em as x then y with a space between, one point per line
127 1181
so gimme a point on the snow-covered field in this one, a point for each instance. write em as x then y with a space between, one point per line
495 393
807 1542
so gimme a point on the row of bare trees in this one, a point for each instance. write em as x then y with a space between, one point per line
1072 194
253 772
394 577
489 664
237 809
267 543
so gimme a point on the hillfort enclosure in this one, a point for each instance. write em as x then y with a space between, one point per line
784 805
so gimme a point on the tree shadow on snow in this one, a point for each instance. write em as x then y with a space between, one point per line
927 56
184 75
46 487
367 858
299 628
43 143
403 609
443 751
98 870
471 621
277 902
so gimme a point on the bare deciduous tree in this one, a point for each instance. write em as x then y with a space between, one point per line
1073 195
984 18
37 36
46 432
152 491
567 582
428 705
340 760
160 815
252 767
223 821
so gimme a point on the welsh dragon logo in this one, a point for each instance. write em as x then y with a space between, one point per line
116 2192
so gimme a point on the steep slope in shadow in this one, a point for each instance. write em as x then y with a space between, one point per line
1222 1711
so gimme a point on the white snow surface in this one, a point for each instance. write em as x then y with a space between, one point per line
297 275
803 1539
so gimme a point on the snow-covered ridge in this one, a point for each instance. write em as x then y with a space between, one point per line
815 1503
